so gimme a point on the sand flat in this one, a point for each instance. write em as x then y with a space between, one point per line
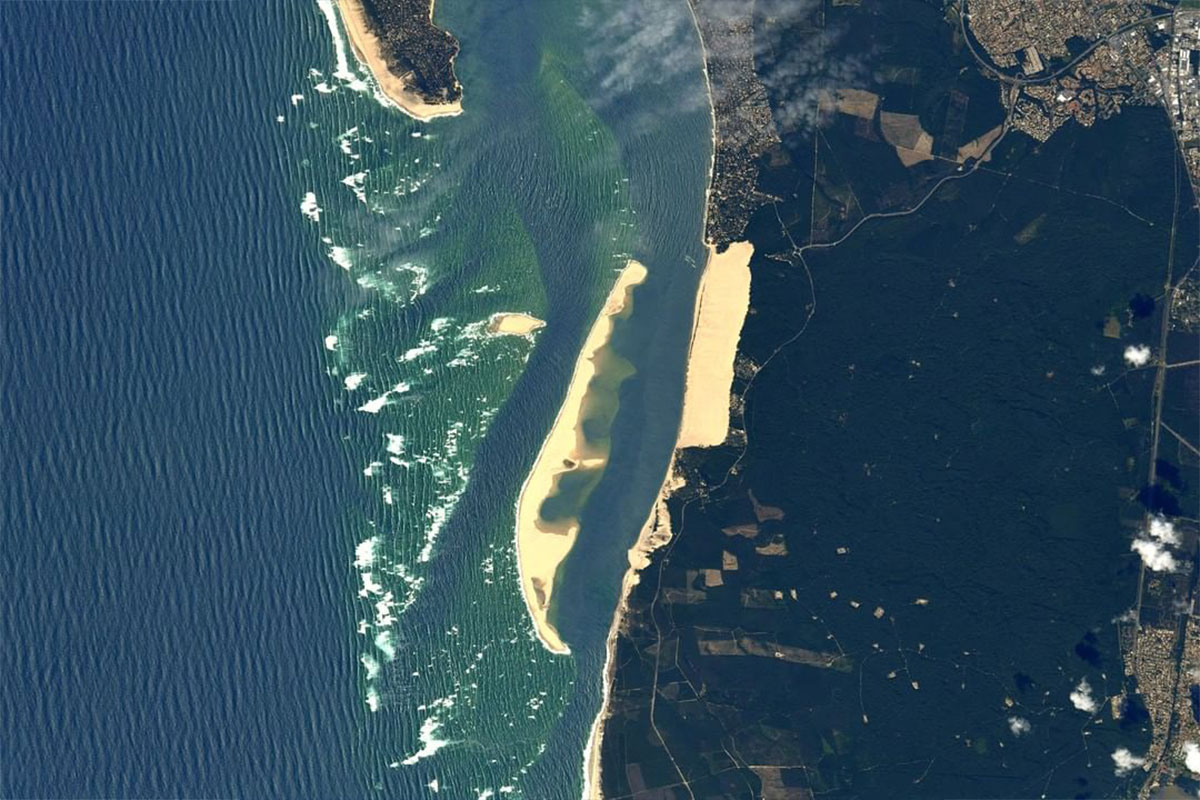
542 545
515 323
367 48
722 302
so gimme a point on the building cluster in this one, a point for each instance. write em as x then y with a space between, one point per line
1185 306
1029 43
1142 53
1031 33
745 127
1175 81
1161 650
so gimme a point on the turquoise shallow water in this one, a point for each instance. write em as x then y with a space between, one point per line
585 142
265 458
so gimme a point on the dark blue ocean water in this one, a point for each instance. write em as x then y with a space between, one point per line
174 617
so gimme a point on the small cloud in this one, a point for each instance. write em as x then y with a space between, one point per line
1163 530
1154 555
1137 355
1191 756
1125 762
1097 370
1082 698
1019 725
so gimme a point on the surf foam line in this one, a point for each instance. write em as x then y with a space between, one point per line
343 71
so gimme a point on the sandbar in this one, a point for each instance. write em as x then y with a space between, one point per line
516 323
542 545
722 302
369 51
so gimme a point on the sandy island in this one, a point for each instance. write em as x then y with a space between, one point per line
515 323
367 49
541 545
722 301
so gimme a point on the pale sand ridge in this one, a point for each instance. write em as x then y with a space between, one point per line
542 546
721 304
366 47
722 301
515 323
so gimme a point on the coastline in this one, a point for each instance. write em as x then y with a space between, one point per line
541 546
393 88
722 302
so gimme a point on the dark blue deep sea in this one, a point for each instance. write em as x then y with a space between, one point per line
173 600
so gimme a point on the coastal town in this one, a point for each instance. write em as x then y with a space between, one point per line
1136 54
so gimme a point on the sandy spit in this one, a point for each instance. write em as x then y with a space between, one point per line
542 546
394 87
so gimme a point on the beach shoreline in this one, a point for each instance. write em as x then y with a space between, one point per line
392 87
722 302
541 546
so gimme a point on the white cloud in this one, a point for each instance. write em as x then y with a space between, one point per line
1191 756
1125 762
1137 355
1164 530
1154 555
795 72
1082 698
640 45
1019 725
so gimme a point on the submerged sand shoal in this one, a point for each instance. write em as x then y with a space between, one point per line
722 301
541 545
369 51
516 323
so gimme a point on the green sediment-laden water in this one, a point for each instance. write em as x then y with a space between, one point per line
585 142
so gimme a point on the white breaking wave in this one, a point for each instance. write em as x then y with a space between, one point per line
343 71
357 182
371 665
309 207
341 257
376 404
364 553
430 744
423 348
